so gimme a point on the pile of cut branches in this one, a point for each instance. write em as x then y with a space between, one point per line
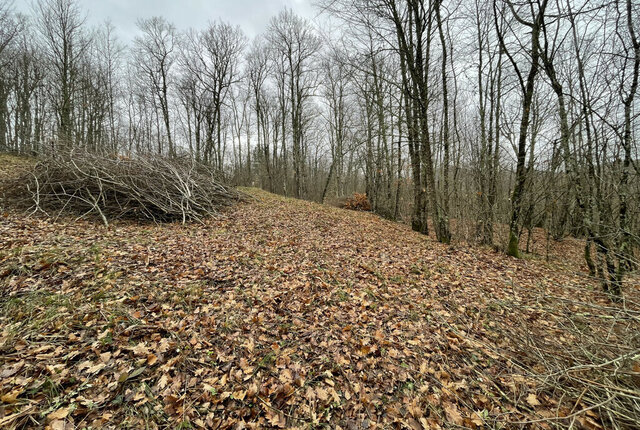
592 365
147 187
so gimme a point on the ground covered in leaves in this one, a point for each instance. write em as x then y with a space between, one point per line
282 313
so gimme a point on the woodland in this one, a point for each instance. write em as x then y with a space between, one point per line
394 214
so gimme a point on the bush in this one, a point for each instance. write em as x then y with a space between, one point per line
358 202
147 187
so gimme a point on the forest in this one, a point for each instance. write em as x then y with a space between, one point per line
473 113
495 143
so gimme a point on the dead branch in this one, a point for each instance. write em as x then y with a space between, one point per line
147 187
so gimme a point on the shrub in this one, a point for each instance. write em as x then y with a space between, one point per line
358 202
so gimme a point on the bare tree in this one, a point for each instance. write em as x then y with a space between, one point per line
257 73
338 74
156 51
61 24
490 113
527 86
9 25
110 53
9 29
292 39
212 58
414 25
632 51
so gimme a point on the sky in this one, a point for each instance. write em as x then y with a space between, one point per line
251 15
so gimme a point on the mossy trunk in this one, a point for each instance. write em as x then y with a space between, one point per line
587 256
512 247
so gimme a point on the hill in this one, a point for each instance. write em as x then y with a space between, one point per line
286 313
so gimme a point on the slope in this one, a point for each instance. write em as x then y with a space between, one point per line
283 313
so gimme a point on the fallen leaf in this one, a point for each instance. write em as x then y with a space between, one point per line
60 414
322 394
453 414
9 371
12 396
533 400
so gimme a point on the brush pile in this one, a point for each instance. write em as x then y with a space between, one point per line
592 364
148 187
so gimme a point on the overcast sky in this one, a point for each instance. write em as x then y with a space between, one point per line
251 15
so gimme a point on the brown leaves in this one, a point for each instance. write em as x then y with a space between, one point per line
60 414
453 414
532 399
8 371
152 359
358 202
276 418
286 314
60 420
12 396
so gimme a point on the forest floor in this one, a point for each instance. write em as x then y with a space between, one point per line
282 313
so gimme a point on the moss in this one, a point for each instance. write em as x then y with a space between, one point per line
512 248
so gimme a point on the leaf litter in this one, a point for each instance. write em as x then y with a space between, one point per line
281 314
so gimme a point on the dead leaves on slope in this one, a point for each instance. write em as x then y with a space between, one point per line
286 314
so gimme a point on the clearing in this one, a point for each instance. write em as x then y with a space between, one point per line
283 313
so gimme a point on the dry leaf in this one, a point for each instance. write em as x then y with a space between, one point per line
152 359
12 396
322 394
60 414
9 371
453 414
533 400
